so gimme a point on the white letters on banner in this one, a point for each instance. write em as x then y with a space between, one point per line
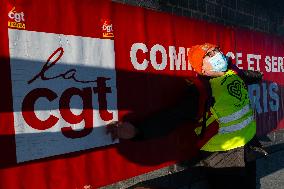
274 64
64 92
177 60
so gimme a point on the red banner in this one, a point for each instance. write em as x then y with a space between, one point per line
71 67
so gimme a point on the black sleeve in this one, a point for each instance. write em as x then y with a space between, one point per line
163 122
249 76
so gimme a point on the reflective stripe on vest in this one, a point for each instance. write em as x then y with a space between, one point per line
231 128
236 115
235 127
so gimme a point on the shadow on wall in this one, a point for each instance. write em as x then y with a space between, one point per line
47 104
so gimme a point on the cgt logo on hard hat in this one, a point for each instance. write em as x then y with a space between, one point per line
16 19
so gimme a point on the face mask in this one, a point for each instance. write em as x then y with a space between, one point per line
218 62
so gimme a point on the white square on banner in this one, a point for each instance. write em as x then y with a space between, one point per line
64 92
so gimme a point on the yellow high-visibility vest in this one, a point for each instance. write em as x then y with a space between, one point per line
233 113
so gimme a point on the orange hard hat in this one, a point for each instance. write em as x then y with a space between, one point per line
196 55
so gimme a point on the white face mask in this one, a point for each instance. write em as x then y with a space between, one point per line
218 62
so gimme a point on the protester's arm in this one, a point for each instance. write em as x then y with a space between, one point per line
160 123
249 76
252 77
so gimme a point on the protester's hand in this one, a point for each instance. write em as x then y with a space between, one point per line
122 130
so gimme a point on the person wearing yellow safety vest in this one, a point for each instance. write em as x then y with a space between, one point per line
232 112
226 116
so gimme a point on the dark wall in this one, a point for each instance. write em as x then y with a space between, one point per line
259 15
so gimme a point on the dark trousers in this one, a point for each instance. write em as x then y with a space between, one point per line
230 169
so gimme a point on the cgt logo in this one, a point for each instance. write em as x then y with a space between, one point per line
17 19
85 94
107 29
63 96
